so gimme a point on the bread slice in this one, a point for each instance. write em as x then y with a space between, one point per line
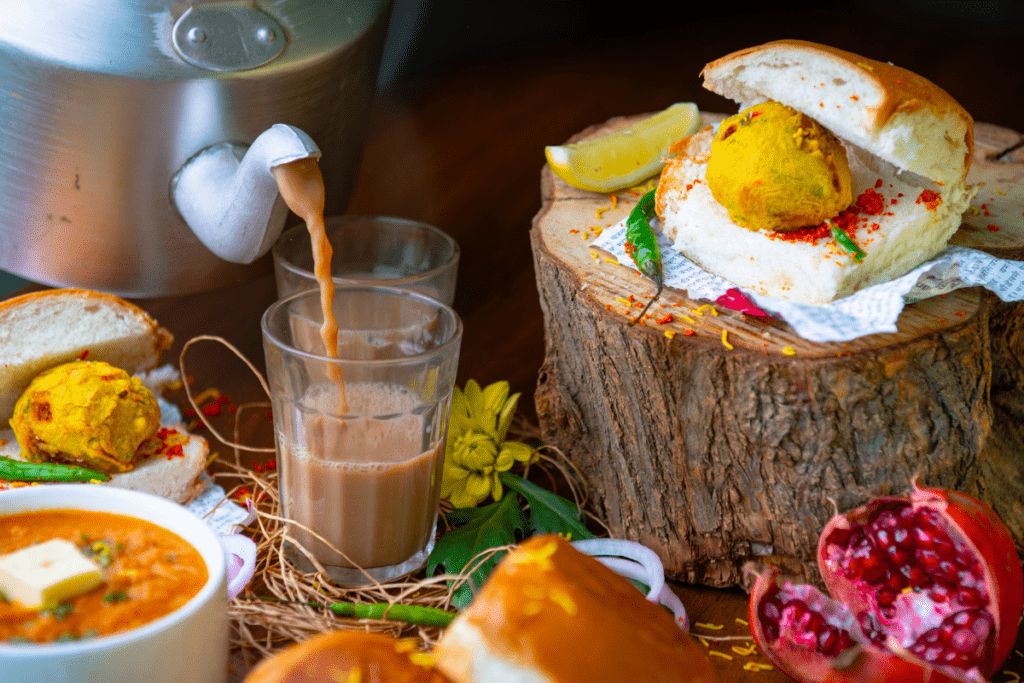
41 330
172 476
903 136
905 234
551 614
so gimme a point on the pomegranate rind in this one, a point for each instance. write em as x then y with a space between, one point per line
973 520
863 663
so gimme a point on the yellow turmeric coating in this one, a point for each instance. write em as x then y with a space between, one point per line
774 168
85 413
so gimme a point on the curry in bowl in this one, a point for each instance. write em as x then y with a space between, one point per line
144 572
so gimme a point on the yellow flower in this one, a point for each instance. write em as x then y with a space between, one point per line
476 451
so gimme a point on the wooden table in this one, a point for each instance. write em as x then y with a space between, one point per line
463 149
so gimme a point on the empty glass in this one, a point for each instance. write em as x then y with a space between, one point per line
372 250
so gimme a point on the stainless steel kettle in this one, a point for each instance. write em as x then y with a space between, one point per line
103 103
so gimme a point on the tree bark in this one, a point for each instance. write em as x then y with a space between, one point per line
721 459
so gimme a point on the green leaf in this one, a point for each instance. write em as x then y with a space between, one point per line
481 528
550 513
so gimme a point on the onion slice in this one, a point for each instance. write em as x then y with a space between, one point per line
240 557
639 563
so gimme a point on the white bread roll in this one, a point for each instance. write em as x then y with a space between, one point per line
551 614
41 330
903 136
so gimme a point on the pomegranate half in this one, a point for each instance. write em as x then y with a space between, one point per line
927 587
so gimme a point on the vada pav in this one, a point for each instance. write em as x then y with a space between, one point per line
767 202
74 368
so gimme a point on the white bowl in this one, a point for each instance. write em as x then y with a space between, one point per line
189 644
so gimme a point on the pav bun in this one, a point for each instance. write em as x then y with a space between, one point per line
891 112
549 613
908 146
45 329
348 656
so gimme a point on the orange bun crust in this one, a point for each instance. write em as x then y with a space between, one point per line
565 617
349 657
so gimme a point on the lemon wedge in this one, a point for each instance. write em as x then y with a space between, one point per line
623 158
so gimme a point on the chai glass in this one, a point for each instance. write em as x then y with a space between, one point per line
360 477
372 250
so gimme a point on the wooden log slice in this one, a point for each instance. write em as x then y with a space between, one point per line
722 451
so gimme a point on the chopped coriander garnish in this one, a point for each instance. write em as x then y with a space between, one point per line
62 611
119 596
101 552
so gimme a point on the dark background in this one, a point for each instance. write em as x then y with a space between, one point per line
973 49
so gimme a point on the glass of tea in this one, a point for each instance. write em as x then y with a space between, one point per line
372 250
361 436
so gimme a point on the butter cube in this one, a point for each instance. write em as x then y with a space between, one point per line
46 574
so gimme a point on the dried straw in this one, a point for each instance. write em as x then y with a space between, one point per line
260 625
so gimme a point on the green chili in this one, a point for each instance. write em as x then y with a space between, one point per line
843 240
412 614
15 470
642 245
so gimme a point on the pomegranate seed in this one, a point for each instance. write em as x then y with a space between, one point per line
965 640
903 538
827 640
898 555
928 559
870 628
923 539
895 583
886 598
963 558
813 623
886 519
840 537
875 568
968 597
939 593
946 571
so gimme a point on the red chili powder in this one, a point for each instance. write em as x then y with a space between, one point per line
929 198
870 202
